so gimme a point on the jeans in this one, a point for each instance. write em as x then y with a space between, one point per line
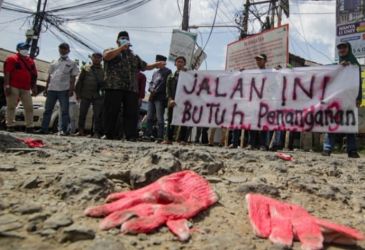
71 127
156 109
113 101
236 135
97 113
278 139
329 142
52 98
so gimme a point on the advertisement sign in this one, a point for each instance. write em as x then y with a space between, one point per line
198 58
351 25
273 43
308 99
182 44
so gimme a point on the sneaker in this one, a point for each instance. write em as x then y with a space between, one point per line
326 153
353 154
275 148
147 138
263 148
80 133
63 133
29 130
10 129
250 147
96 136
40 131
166 142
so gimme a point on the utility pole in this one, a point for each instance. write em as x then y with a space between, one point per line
185 21
244 24
37 28
280 15
273 9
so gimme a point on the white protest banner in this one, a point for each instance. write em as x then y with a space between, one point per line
274 43
317 99
182 44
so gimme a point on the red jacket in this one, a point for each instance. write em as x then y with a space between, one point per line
141 80
20 70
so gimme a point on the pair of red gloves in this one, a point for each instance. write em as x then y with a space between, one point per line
173 199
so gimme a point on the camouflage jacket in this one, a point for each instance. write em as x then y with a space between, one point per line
120 72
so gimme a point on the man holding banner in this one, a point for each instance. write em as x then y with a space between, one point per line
171 86
259 139
346 58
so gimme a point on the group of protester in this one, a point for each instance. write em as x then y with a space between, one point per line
116 87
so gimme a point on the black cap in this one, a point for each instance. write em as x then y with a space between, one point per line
161 58
342 44
22 46
64 46
123 34
97 53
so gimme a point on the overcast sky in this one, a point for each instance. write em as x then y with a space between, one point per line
312 36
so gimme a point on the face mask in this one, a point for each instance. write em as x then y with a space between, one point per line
123 42
23 52
64 56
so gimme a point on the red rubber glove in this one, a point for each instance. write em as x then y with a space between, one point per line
32 143
281 222
284 157
170 200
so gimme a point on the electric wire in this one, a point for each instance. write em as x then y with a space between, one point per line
314 48
301 25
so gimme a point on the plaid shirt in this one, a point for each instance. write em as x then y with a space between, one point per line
121 72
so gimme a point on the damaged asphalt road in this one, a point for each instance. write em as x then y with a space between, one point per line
45 191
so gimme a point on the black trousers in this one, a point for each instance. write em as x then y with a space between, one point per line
171 129
203 133
97 113
113 101
258 138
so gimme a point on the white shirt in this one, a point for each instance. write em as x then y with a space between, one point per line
60 72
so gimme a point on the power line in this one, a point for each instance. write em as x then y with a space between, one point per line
16 19
178 7
308 44
305 39
213 24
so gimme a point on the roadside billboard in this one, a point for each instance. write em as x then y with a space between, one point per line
273 43
351 25
182 44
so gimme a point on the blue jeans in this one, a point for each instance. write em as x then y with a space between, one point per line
52 97
156 109
329 142
72 114
278 138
